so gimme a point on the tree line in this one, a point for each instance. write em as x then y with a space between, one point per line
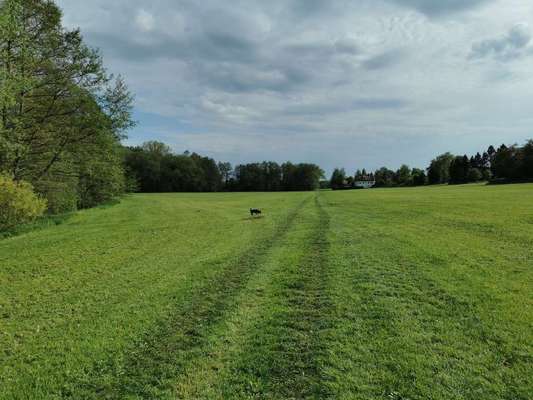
62 116
63 119
507 164
153 167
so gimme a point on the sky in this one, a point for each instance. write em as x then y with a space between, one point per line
341 83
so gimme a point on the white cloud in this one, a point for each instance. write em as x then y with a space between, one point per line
144 20
351 83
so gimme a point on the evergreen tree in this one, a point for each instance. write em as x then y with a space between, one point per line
338 179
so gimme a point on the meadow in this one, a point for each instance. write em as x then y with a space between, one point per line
415 293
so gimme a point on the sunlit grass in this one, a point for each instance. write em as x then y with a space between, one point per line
380 294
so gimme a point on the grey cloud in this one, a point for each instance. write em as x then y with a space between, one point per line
306 8
236 78
347 46
379 104
383 60
213 46
513 45
362 104
318 51
257 73
440 7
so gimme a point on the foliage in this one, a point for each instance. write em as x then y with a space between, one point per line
474 175
439 169
338 179
419 177
61 195
269 176
18 203
404 176
459 169
385 177
156 168
226 170
61 115
506 164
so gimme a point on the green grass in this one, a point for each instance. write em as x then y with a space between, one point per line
420 293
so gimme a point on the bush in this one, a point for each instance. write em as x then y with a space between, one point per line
99 183
62 197
18 203
487 175
474 175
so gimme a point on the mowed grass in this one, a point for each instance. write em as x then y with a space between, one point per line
422 293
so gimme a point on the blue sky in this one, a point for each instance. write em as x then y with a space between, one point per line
351 83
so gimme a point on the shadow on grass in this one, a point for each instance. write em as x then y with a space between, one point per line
41 223
48 221
258 218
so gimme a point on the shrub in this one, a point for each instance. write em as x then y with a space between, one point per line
18 203
62 197
487 175
474 175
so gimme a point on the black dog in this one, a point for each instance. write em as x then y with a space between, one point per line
255 211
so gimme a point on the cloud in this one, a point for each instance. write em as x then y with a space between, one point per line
361 104
347 46
440 7
383 60
145 21
514 44
350 81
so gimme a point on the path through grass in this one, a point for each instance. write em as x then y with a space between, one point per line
381 294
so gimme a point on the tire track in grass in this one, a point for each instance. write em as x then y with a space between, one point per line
150 367
283 357
307 320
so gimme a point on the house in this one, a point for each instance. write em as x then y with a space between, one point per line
365 182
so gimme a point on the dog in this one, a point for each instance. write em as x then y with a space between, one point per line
255 211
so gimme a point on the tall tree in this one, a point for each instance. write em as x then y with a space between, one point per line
459 168
419 177
385 177
225 169
61 115
527 161
439 169
404 176
338 178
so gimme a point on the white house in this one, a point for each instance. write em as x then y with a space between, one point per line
365 183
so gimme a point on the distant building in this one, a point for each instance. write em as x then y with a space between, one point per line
365 182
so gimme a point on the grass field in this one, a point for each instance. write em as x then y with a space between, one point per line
381 294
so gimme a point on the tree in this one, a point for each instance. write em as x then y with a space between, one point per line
506 164
272 176
403 176
338 179
156 149
459 168
527 161
61 114
474 175
439 169
486 174
419 177
225 169
385 177
309 176
477 161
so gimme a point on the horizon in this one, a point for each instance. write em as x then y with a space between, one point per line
333 83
